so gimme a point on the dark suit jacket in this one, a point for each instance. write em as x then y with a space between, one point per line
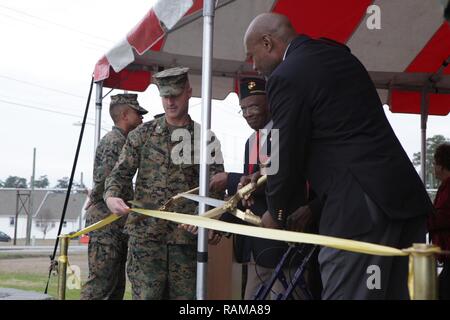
267 253
333 132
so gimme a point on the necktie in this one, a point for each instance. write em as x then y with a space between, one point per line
254 152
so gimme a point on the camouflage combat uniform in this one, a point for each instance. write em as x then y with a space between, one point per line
161 257
107 251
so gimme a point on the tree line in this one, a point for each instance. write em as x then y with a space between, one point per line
432 143
63 183
42 183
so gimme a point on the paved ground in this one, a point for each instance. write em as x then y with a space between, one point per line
37 242
47 250
15 294
29 272
40 264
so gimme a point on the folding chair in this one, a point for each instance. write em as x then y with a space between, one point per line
305 251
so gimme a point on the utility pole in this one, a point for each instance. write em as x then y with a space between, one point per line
22 204
16 218
30 212
81 212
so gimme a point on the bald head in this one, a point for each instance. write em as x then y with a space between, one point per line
266 40
276 25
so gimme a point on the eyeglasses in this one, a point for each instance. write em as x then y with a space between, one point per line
248 110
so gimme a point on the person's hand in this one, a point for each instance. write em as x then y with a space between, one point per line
248 200
189 228
117 206
214 237
267 221
218 182
300 220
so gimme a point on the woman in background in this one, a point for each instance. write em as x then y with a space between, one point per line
439 221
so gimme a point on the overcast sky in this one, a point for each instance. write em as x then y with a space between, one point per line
49 49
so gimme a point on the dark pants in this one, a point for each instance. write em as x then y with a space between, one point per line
347 275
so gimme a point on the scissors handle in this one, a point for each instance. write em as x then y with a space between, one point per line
249 188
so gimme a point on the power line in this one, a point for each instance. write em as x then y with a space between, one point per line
20 20
49 110
42 87
94 46
56 24
42 109
37 102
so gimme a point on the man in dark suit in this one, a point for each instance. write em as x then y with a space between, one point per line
260 255
333 132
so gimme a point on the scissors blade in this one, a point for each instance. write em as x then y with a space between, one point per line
214 213
209 201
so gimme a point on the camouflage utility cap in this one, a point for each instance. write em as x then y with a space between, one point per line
171 82
128 99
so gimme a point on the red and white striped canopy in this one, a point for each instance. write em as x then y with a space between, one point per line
412 44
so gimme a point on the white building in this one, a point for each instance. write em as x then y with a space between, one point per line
47 207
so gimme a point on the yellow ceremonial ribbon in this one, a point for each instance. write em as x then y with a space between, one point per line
275 234
109 219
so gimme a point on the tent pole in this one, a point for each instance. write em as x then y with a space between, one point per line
202 246
434 78
98 113
423 127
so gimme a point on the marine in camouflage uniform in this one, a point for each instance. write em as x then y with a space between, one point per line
161 256
107 250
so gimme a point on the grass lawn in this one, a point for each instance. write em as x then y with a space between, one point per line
35 282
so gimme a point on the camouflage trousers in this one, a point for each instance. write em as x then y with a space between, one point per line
107 256
161 271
